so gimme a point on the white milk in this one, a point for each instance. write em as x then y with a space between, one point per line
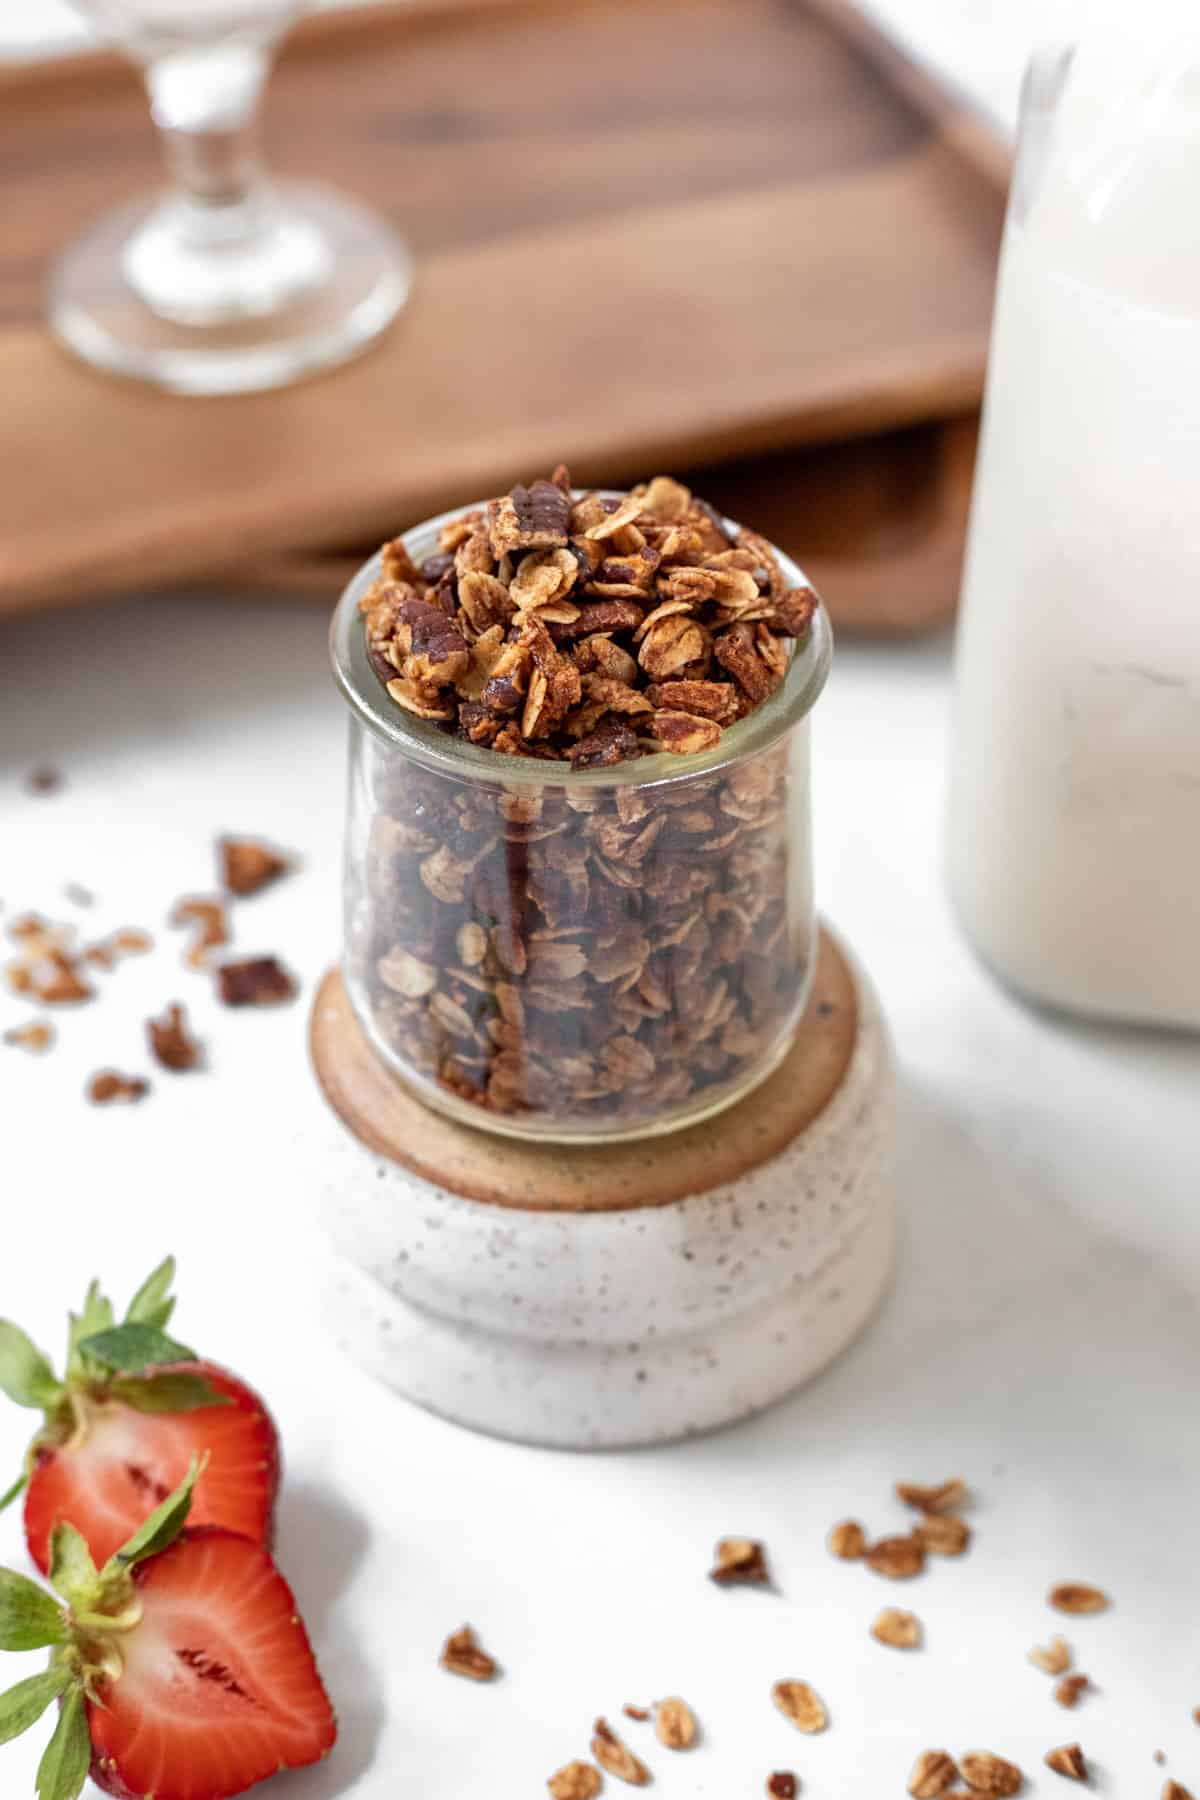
1074 828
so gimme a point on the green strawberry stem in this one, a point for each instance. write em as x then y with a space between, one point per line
106 1360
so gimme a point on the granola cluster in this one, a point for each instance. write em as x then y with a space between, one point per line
586 629
583 952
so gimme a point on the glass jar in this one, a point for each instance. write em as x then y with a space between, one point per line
1074 812
576 955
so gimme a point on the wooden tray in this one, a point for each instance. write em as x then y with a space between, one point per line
652 233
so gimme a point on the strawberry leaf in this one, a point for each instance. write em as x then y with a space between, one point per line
64 1768
152 1304
97 1315
133 1347
161 1528
14 1492
29 1617
72 1570
24 1704
25 1374
174 1392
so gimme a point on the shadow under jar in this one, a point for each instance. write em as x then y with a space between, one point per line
577 955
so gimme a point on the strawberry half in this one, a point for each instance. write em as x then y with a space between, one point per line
121 1429
181 1668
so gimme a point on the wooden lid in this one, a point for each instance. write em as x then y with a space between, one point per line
504 1171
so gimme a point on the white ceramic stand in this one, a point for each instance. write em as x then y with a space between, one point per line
630 1295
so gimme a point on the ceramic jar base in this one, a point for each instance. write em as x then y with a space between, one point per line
630 1294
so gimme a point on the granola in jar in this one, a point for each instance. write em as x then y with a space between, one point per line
578 884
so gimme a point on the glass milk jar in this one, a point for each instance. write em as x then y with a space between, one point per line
1074 819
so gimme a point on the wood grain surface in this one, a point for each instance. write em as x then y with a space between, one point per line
652 233
388 1120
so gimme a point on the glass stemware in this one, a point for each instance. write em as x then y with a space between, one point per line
230 282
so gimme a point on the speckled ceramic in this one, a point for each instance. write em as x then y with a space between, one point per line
587 1330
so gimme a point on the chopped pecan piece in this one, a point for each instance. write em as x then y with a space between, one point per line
1067 1760
736 650
611 742
675 1724
255 981
782 1785
899 1558
900 1630
1071 1689
107 1088
848 1540
530 518
462 1655
793 612
575 1781
171 1043
704 699
944 1497
640 1713
988 1773
247 865
1175 1790
798 1703
740 1562
615 1757
934 1773
1077 1597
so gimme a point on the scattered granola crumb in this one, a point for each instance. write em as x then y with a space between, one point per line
1077 1597
1160 1756
256 981
848 1540
782 1785
898 1558
246 865
615 1757
640 1713
1196 1715
740 1562
575 1781
462 1655
129 941
947 1496
171 1043
675 1724
1054 1658
798 1703
943 1534
36 1037
1070 1689
988 1773
934 1773
47 968
78 895
211 927
44 780
1175 1790
1067 1760
900 1630
107 1087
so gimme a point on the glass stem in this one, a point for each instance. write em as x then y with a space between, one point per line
221 247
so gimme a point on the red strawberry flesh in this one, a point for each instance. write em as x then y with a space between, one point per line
128 1461
219 1687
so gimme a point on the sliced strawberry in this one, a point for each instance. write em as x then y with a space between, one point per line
131 1412
122 1462
218 1687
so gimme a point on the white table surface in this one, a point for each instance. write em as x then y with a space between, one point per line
1042 1338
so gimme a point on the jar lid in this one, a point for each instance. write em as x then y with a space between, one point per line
444 753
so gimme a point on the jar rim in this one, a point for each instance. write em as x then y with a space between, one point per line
427 744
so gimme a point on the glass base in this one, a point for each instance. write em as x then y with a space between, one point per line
359 274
